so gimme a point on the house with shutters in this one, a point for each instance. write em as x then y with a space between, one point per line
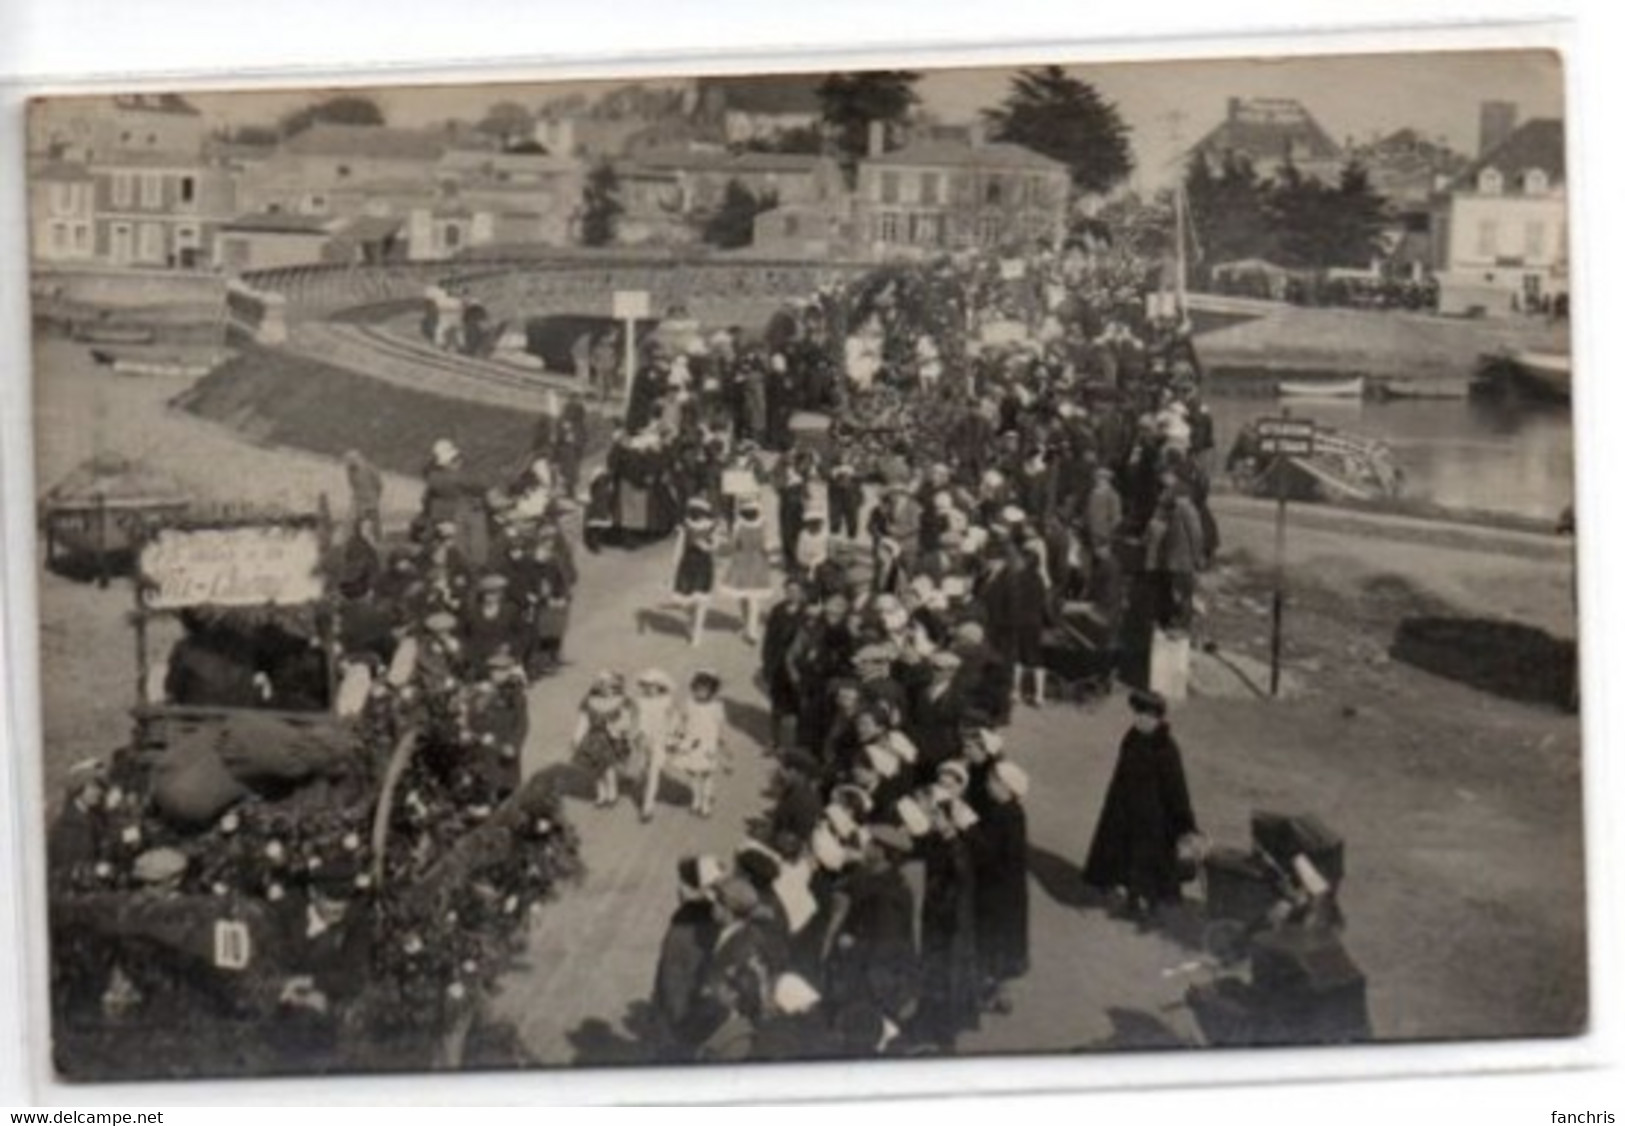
936 195
1501 231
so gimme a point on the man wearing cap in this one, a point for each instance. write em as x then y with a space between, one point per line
1147 810
736 984
684 954
784 622
331 955
821 653
934 720
876 687
491 624
452 493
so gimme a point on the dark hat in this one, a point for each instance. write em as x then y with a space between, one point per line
757 866
705 677
1148 703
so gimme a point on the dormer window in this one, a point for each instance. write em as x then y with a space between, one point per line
1534 182
1489 182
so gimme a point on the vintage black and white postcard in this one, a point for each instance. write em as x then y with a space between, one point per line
870 564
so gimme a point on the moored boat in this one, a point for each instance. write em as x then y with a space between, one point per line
1548 373
1338 389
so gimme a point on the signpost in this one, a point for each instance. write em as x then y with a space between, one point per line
1280 439
630 306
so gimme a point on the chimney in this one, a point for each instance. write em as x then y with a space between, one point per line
1233 110
1496 121
877 138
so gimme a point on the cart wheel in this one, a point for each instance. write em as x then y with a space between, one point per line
1225 940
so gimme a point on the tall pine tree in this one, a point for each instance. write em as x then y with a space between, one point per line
1065 118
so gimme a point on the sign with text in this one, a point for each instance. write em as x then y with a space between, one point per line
257 565
1286 437
631 304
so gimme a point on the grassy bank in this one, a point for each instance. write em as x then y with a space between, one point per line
1293 340
283 399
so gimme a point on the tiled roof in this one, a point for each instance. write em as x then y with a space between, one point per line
1537 143
156 103
947 154
711 160
276 222
376 142
1269 137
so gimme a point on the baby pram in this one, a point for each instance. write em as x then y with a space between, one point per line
1079 652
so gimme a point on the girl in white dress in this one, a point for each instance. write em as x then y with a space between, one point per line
656 706
698 749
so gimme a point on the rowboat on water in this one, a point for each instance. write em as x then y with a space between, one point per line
1340 389
1550 373
115 334
1420 389
144 362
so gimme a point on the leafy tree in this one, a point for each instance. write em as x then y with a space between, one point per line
600 206
1229 210
508 122
344 109
254 135
732 224
1066 119
851 101
804 139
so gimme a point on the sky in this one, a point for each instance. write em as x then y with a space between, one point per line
1168 105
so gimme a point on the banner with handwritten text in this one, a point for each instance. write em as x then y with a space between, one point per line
249 566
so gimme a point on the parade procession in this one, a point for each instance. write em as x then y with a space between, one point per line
618 654
965 531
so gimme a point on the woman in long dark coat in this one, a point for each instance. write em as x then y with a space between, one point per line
950 993
1001 881
1147 810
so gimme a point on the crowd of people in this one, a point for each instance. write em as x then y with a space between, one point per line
1012 479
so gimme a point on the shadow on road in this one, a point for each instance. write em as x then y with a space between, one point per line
1136 1029
1506 659
1061 880
596 1042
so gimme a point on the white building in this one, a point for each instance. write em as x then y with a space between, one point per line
1501 240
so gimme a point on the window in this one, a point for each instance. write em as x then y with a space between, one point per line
81 236
1534 182
452 237
59 238
930 188
188 189
987 230
124 137
152 191
792 226
993 192
61 199
1487 238
343 171
888 187
152 242
1534 239
123 189
1489 182
890 228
